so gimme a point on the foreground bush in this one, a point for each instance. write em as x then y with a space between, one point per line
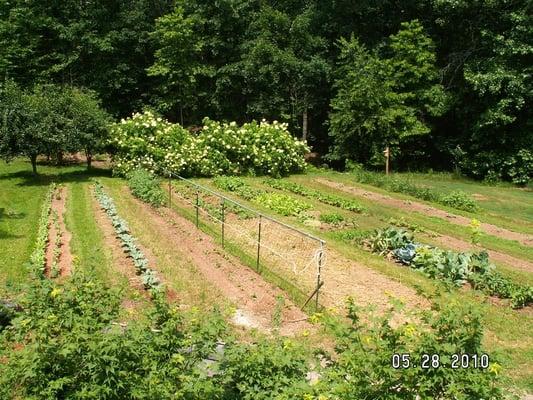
68 343
147 141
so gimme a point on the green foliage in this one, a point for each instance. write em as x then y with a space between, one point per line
330 199
146 187
282 204
150 142
384 101
456 199
37 258
448 266
66 342
332 218
363 369
149 277
237 186
459 200
50 120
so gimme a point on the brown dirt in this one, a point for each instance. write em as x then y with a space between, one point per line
522 238
65 258
255 298
342 277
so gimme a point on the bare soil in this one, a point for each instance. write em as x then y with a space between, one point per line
425 209
58 205
343 277
256 299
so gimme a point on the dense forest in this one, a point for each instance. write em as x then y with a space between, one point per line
444 83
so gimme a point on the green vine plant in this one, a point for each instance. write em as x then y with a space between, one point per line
38 256
149 277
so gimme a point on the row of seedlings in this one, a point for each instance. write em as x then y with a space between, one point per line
38 257
149 277
329 199
54 269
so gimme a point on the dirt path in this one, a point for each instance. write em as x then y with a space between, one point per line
64 261
425 209
256 299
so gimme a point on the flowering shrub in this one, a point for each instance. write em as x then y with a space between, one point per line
148 141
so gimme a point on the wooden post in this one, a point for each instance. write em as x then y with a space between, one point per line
197 207
304 125
387 156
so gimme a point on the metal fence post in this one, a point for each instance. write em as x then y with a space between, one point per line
259 242
170 190
318 278
197 207
223 206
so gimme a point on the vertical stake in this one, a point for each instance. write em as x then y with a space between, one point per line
387 156
318 277
223 206
197 206
259 241
170 190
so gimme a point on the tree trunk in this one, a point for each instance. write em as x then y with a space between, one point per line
89 160
33 159
304 125
181 115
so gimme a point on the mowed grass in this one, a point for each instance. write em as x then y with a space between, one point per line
21 196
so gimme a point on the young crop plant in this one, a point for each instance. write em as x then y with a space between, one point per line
332 219
329 199
146 186
54 269
283 204
448 266
149 277
38 257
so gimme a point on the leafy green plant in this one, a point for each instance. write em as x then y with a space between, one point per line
149 277
332 200
363 365
54 269
448 266
282 204
37 258
459 200
146 187
332 218
238 186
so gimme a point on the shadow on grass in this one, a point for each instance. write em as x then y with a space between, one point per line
9 215
27 178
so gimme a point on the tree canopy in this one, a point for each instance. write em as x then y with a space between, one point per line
443 82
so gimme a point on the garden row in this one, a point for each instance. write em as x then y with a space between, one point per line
148 141
456 199
149 277
38 256
451 267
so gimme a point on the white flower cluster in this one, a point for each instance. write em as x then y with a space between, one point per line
147 141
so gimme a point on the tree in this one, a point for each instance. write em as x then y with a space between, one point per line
51 120
384 99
